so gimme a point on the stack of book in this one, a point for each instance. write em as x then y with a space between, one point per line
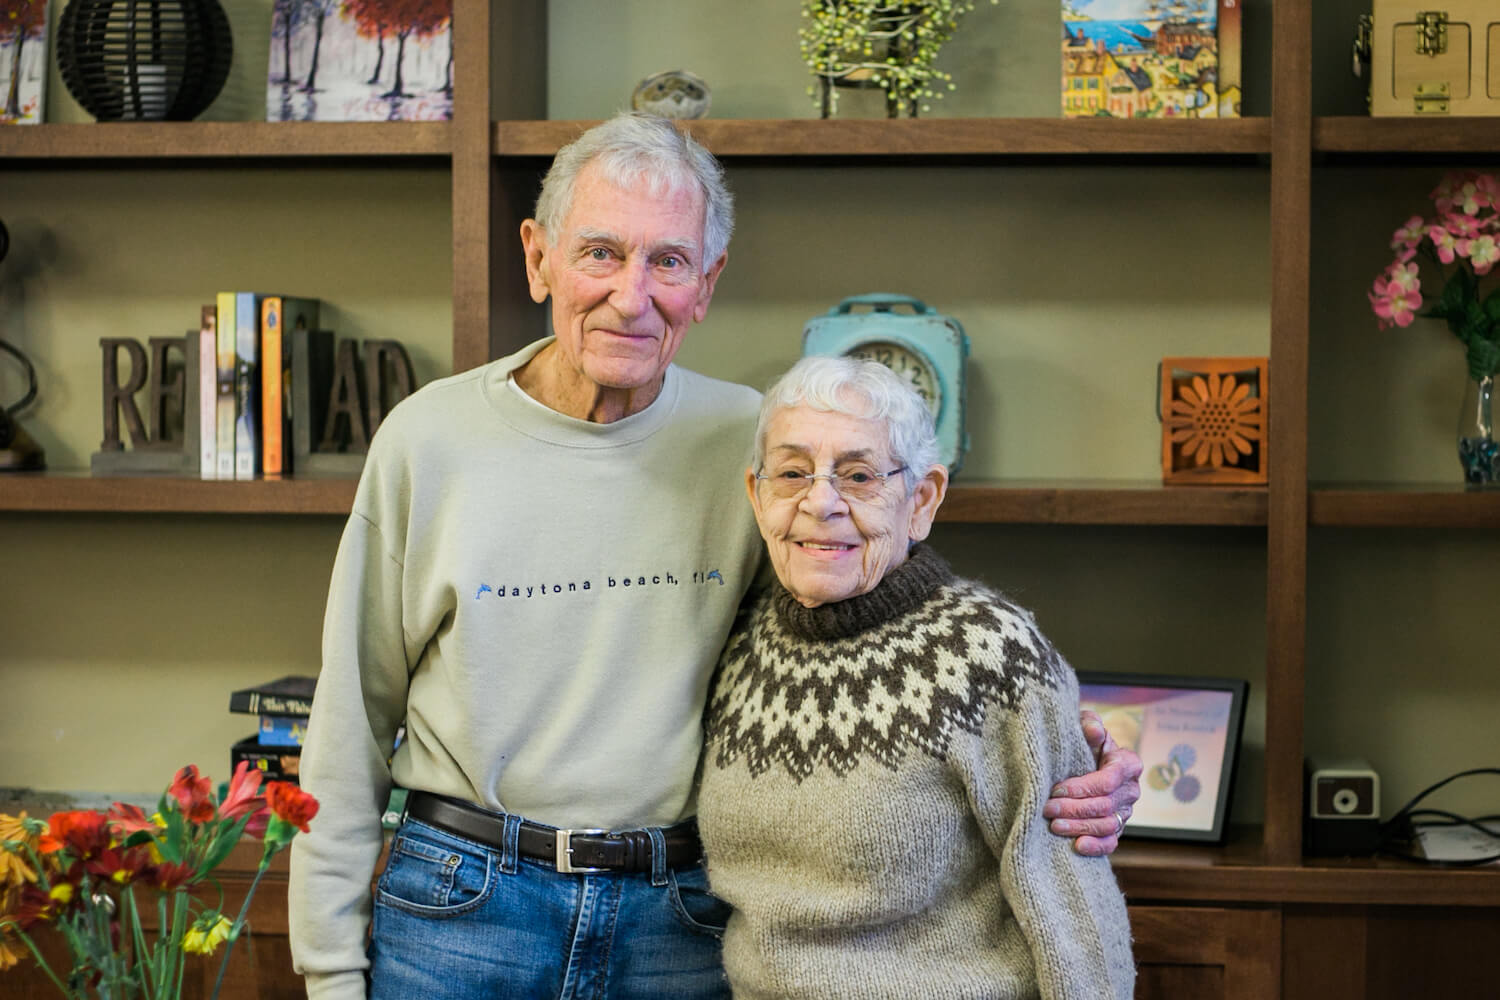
245 403
282 707
275 749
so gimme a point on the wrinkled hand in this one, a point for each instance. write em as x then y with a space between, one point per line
1086 807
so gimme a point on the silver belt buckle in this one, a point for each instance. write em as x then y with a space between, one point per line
565 851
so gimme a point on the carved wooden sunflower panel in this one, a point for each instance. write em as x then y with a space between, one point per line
1213 420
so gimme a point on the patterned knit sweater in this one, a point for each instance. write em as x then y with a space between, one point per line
871 802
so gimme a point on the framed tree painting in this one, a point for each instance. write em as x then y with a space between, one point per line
360 60
23 61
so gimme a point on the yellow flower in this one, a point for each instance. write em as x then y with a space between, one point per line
201 940
9 957
14 870
62 893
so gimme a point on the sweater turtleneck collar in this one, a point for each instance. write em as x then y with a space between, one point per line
904 588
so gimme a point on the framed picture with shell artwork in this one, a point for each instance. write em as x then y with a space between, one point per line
1186 730
1213 420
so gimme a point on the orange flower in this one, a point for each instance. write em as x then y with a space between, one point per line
193 794
84 832
291 804
126 819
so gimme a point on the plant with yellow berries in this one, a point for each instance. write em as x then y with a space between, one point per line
97 878
879 44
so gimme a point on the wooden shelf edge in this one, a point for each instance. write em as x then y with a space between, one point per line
813 137
142 495
1404 506
1103 502
1419 136
1364 886
176 140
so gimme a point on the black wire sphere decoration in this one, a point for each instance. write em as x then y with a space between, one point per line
144 60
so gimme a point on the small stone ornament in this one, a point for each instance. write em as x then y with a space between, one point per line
675 93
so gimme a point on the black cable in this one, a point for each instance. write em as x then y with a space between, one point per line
1401 828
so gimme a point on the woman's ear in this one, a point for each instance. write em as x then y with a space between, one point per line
752 492
926 500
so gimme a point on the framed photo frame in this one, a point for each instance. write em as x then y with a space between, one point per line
1187 733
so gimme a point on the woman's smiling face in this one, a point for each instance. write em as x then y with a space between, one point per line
824 547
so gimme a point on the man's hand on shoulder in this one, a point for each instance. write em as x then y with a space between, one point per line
1092 808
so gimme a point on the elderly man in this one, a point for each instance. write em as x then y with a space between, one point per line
543 560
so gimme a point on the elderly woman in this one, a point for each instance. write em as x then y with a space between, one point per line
882 736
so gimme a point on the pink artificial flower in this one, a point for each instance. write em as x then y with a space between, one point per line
1461 225
1444 242
1403 277
1391 300
1483 252
1408 235
1464 191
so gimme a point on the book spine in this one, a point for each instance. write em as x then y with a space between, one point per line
246 386
260 703
271 420
208 394
224 401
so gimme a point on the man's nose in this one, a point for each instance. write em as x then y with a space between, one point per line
631 295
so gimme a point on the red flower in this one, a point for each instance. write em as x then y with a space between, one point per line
168 876
192 792
244 798
120 866
83 831
291 804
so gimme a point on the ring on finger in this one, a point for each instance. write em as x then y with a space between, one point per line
1119 823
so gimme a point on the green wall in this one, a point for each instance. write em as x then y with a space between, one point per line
120 635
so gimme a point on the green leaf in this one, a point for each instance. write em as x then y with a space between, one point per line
1492 306
174 841
1483 357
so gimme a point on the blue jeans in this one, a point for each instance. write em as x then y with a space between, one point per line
456 920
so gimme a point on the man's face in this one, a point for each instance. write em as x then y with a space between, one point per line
627 278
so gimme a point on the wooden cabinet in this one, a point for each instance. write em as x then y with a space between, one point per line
1229 921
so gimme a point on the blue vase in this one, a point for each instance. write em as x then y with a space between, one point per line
1477 449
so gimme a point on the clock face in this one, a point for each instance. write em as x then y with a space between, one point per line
912 368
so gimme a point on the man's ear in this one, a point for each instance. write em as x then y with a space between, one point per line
538 266
710 279
926 501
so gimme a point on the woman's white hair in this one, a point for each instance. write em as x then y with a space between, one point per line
633 148
857 388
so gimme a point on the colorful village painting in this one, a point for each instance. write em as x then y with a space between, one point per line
360 60
1140 59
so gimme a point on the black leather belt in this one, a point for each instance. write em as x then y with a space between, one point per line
566 850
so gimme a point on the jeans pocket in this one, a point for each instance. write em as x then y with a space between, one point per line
434 876
696 907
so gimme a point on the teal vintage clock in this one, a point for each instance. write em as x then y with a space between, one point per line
912 339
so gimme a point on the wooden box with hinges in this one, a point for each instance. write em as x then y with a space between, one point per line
1213 420
1437 59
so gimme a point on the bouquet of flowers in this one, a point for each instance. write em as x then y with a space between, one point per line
90 875
1463 242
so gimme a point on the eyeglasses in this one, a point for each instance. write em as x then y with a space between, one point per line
857 485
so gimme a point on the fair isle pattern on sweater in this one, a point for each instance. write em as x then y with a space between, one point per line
907 667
